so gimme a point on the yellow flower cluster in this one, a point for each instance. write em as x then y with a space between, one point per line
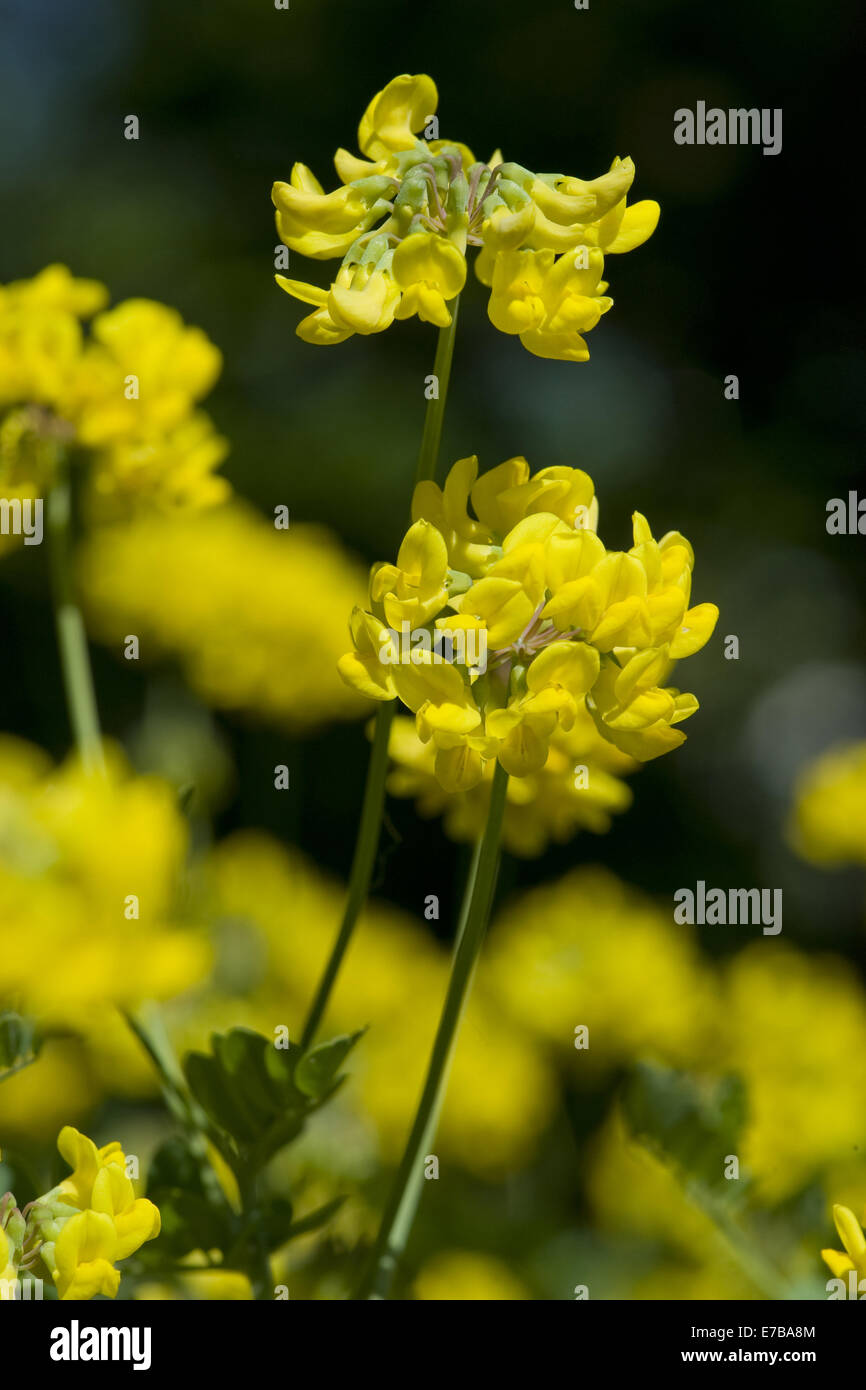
537 619
580 787
580 952
89 887
588 950
84 1225
794 1027
405 215
219 589
829 821
126 391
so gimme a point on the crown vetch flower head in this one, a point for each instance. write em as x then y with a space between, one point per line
519 623
406 215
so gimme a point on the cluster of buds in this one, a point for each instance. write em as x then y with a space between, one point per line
80 1229
406 215
565 624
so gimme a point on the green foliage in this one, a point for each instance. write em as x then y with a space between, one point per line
259 1096
20 1043
253 1099
692 1126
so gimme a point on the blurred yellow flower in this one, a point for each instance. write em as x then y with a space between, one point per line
39 1098
828 825
90 883
201 1285
589 952
126 392
457 1276
794 1027
255 615
406 214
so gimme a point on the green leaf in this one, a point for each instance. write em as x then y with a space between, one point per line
240 1054
696 1127
317 1069
275 1221
190 1222
315 1219
207 1081
20 1043
280 1064
174 1165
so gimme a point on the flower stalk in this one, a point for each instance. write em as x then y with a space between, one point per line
399 1215
366 846
435 414
69 623
370 826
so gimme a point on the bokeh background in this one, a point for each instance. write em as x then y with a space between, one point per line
743 276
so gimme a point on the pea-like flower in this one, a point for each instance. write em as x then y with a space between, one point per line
407 214
83 1226
853 1257
545 627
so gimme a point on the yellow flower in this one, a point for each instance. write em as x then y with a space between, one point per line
405 216
8 1269
135 1219
90 882
219 590
854 1241
84 1255
414 589
828 825
794 1026
550 302
458 1276
395 114
91 1219
126 392
429 271
580 951
578 788
363 668
632 709
87 1163
556 684
560 625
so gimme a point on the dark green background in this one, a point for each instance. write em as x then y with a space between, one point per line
751 272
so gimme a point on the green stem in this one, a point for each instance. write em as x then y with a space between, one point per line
755 1266
71 634
431 439
405 1194
369 829
366 847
